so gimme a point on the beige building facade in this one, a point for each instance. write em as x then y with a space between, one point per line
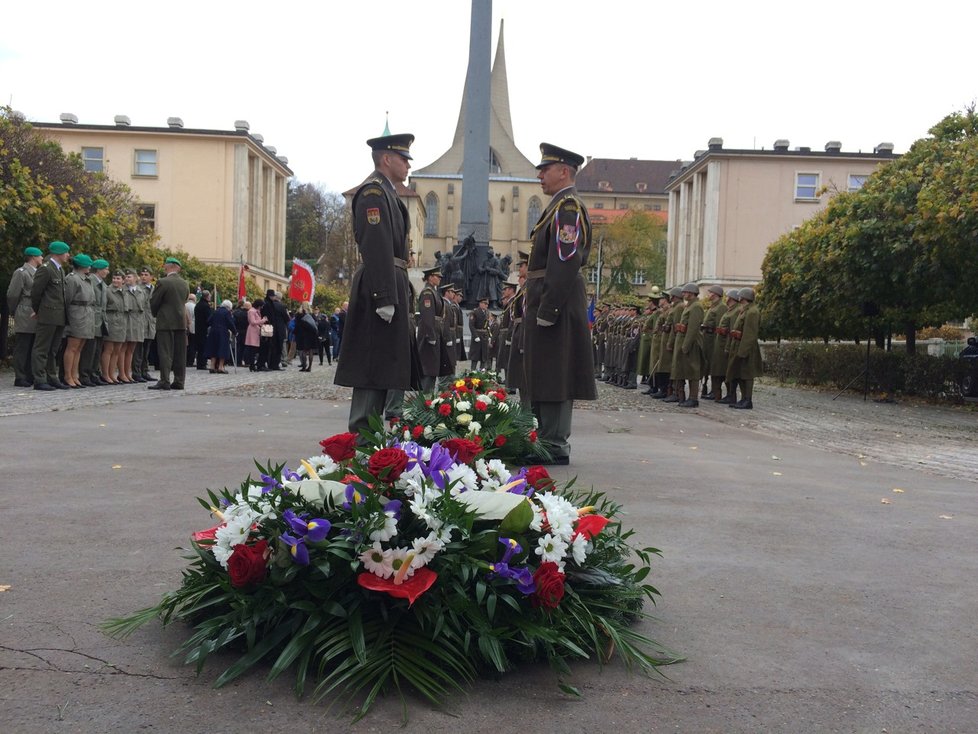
726 207
217 195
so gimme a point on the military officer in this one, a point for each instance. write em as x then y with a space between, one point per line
506 324
557 341
711 343
91 356
25 326
745 350
644 367
50 313
450 321
80 326
479 331
167 304
456 298
431 336
379 353
143 353
730 349
632 339
687 361
668 345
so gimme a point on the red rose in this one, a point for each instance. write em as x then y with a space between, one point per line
427 403
500 440
445 408
590 525
550 586
417 431
462 449
388 463
247 566
538 478
533 436
340 447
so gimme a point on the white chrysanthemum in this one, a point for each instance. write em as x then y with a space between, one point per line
388 531
579 548
536 424
463 405
399 556
503 406
378 561
323 464
411 480
464 419
425 549
428 433
561 514
498 469
482 468
491 485
552 548
227 536
441 426
435 401
537 522
474 428
444 533
462 477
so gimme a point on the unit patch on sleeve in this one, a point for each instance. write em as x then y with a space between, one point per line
373 216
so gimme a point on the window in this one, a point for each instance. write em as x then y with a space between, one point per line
431 209
145 163
532 214
806 186
94 159
638 277
599 205
592 274
856 181
657 207
494 166
147 218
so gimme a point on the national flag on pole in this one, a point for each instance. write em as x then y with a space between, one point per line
241 282
590 311
302 282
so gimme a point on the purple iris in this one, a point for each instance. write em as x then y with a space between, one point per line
519 574
313 530
393 507
291 475
522 487
438 465
353 497
269 484
297 548
511 548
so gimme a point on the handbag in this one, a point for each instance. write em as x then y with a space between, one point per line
266 330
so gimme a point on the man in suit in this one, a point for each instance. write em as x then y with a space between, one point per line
167 304
50 313
19 303
557 358
378 343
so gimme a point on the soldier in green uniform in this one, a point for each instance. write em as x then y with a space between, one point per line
91 356
50 314
732 381
456 298
644 367
168 307
633 337
144 353
379 354
431 331
659 385
746 350
599 335
506 325
80 299
687 364
557 356
19 303
479 331
450 321
668 344
710 323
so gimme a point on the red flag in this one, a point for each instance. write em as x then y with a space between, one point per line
241 282
302 283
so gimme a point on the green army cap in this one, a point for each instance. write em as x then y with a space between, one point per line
173 261
747 294
691 288
100 264
655 292
400 144
58 248
434 270
675 291
82 261
33 252
550 153
445 287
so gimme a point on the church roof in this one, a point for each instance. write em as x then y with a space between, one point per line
632 176
511 162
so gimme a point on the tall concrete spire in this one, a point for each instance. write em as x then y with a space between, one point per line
474 218
499 95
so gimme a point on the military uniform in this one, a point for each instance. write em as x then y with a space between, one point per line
80 300
710 344
668 347
432 350
167 306
557 357
451 319
730 378
687 361
479 343
19 303
145 352
746 363
514 368
89 365
48 302
379 355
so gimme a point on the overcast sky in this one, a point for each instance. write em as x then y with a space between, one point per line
613 79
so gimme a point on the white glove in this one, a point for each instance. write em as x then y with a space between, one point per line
386 313
544 322
432 341
477 339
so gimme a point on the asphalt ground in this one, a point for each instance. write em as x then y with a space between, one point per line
806 592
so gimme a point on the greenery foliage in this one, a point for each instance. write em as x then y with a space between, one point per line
635 242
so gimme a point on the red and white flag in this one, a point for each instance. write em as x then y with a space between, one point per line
241 282
302 283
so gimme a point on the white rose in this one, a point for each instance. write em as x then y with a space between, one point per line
464 419
463 405
474 428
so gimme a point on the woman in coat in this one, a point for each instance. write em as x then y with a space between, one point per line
135 327
80 301
220 328
253 334
306 338
115 325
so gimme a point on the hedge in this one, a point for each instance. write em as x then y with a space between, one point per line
838 365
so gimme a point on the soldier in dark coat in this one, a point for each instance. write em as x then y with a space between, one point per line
460 354
167 304
452 320
687 361
557 342
745 349
378 343
506 324
479 332
50 313
431 331
710 324
19 303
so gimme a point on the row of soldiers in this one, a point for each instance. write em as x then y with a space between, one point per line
680 341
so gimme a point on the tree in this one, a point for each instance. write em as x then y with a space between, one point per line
318 230
635 242
904 243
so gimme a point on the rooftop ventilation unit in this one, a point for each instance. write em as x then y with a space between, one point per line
781 144
715 144
174 121
68 118
242 126
123 121
833 146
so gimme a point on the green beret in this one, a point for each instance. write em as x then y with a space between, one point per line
58 248
173 261
82 261
100 264
33 252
